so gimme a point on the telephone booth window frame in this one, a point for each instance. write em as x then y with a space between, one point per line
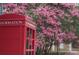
30 36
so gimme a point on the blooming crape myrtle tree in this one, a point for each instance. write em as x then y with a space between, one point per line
17 8
48 24
56 22
70 22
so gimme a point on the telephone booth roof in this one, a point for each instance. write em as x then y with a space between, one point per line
12 17
16 17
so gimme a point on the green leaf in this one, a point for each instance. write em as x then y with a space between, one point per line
35 17
67 11
39 29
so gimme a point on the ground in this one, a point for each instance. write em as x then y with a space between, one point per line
65 51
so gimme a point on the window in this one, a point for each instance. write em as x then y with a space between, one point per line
1 8
30 41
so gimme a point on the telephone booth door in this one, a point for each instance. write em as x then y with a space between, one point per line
30 37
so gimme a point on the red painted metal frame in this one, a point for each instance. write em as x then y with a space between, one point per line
13 36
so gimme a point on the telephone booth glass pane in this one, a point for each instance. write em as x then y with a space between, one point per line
27 43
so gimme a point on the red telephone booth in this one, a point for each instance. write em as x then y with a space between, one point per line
17 35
